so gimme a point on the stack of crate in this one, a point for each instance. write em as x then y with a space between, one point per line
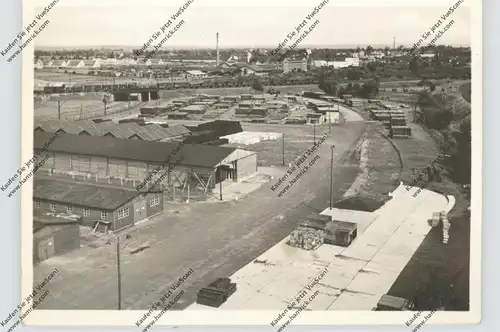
397 125
215 294
307 238
383 117
446 227
400 132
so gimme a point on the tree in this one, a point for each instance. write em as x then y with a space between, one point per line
353 74
341 92
462 157
329 86
371 66
369 89
369 50
436 109
414 66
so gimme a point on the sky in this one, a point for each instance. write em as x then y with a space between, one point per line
256 25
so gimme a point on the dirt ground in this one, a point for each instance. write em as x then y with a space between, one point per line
214 239
297 140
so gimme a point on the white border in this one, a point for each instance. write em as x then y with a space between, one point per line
239 318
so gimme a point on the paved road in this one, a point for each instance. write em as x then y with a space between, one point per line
213 239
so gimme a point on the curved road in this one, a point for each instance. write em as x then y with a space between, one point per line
213 239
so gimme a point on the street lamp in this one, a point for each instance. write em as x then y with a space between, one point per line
331 178
119 273
314 132
283 149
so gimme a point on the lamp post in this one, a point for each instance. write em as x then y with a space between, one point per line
119 273
220 180
314 132
331 178
283 149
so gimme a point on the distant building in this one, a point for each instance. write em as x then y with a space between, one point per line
195 74
290 65
108 62
150 62
92 63
378 54
59 64
38 64
155 62
126 62
247 70
76 64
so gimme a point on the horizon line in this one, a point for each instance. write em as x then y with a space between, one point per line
327 46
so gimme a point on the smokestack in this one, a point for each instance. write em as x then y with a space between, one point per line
217 47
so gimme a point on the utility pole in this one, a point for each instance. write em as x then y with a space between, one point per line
119 273
220 180
81 111
331 178
59 109
104 101
314 132
283 148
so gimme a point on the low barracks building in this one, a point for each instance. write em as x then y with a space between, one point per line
132 161
54 236
118 207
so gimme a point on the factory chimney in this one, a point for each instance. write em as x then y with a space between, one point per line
217 47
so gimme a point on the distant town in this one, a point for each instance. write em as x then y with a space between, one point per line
226 68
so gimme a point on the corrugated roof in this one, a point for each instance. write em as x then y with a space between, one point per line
146 133
152 132
96 197
55 125
148 151
120 132
177 130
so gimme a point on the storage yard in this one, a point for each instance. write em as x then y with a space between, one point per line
213 212
200 146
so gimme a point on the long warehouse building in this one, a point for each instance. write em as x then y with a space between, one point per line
143 163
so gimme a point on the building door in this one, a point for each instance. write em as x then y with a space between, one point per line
46 248
140 210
